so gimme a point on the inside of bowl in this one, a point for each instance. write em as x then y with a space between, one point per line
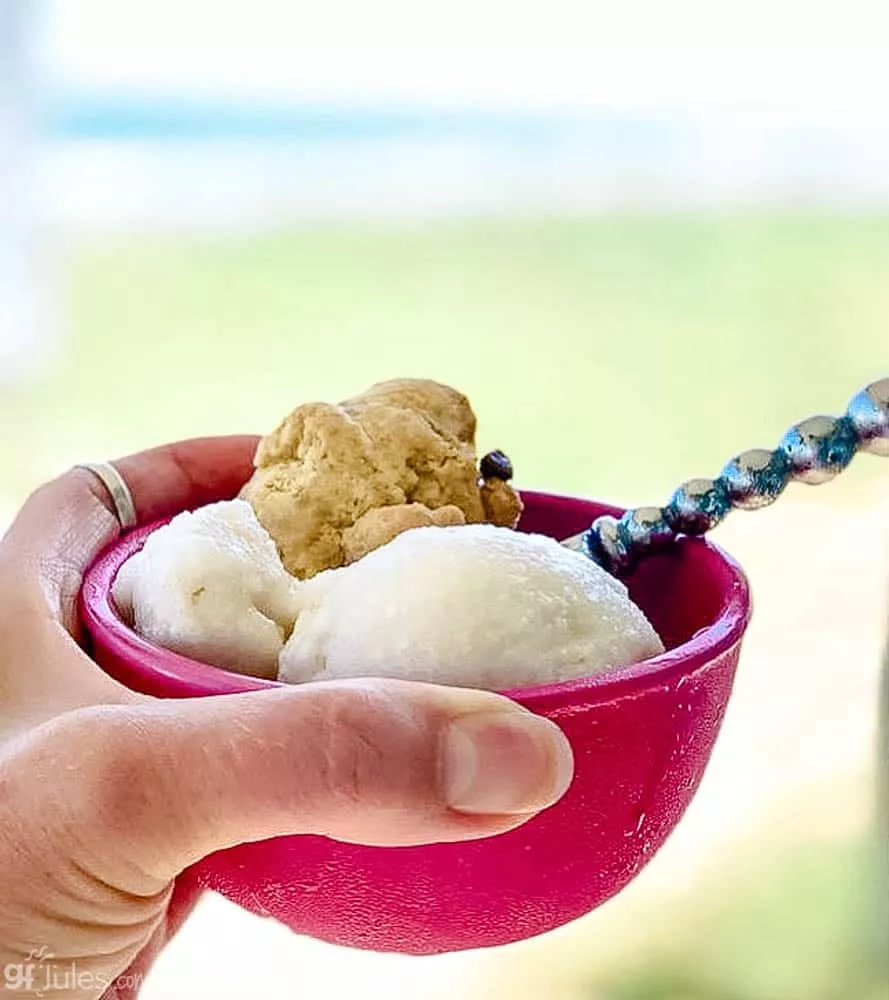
679 596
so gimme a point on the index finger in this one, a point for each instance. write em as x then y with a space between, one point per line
187 474
66 523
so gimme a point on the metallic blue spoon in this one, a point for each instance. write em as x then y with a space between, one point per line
812 452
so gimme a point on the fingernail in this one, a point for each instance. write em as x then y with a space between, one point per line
504 762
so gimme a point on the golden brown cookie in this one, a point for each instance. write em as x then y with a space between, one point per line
448 411
407 444
501 503
381 524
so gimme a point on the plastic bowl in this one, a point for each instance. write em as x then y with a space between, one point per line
642 736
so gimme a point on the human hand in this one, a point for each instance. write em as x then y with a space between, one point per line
106 795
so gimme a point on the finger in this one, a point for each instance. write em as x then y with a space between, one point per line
65 524
44 674
168 479
378 762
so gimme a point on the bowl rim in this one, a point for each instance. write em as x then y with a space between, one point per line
184 676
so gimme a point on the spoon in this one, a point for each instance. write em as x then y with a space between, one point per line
812 451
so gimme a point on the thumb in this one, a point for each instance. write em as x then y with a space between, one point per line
161 785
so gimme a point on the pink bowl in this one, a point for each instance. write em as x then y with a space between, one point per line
642 736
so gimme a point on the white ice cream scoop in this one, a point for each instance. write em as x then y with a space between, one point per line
473 605
210 585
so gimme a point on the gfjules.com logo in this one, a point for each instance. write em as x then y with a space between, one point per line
40 975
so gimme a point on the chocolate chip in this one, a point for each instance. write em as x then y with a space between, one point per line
495 465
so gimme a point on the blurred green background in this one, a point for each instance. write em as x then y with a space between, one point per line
611 355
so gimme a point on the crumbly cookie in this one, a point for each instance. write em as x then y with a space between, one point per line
501 503
407 444
381 524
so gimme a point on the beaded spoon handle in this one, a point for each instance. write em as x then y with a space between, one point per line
812 451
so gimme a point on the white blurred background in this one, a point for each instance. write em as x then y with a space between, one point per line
399 107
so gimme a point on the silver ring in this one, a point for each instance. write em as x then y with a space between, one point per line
116 485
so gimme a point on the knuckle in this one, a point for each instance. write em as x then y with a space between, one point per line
351 748
84 780
369 755
115 762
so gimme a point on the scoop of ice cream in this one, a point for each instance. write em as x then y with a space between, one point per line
210 585
473 605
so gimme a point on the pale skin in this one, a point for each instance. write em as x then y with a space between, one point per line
106 796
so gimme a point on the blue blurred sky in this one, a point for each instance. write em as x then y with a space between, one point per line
817 60
169 114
